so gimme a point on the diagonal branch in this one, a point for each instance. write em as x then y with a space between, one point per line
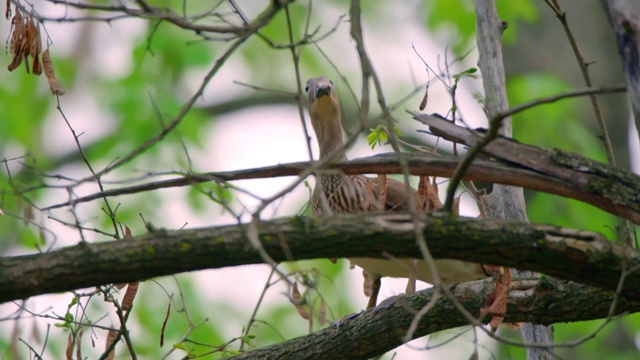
373 334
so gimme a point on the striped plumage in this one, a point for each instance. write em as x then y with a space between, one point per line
340 193
343 194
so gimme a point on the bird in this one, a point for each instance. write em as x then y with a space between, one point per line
341 193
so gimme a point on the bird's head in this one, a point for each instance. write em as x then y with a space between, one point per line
324 111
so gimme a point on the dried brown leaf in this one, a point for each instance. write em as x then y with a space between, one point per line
322 313
111 337
78 345
130 295
423 103
120 286
18 36
298 302
69 353
33 38
428 199
35 45
496 304
47 65
164 324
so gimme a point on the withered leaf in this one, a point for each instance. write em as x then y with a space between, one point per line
298 302
111 337
127 301
47 65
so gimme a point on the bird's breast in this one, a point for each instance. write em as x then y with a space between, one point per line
343 194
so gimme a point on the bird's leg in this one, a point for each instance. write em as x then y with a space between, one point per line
367 285
411 284
371 288
375 289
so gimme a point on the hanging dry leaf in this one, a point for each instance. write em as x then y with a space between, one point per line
120 286
47 65
7 11
322 313
25 42
298 302
69 352
496 304
35 46
423 104
78 344
164 324
127 301
111 337
17 45
428 199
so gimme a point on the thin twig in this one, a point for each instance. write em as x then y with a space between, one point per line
494 127
584 69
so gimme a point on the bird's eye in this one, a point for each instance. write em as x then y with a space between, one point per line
331 81
306 88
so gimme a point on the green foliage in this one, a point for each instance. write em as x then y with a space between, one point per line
459 16
471 73
378 136
557 125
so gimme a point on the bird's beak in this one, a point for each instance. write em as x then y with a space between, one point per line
322 90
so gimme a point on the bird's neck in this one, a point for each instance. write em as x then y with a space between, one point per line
330 139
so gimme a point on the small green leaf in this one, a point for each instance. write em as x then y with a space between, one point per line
467 73
180 347
377 136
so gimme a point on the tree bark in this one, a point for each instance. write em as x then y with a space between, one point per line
553 171
506 202
565 253
372 334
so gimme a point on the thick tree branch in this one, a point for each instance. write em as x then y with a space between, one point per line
611 189
571 254
372 334
556 172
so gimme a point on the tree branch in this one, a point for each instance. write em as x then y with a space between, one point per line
570 254
555 172
609 188
373 334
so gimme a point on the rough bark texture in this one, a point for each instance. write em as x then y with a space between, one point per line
372 334
506 202
614 190
570 254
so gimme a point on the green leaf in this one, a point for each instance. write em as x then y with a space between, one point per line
377 136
